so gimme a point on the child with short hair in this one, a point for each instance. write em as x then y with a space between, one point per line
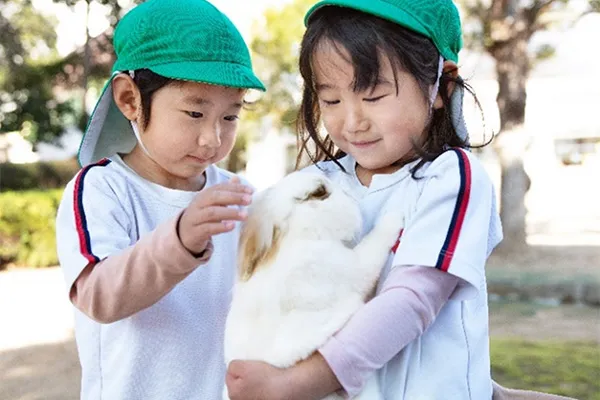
146 231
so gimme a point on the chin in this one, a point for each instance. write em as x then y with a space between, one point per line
378 164
372 165
185 172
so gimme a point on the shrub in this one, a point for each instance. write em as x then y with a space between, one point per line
34 176
27 228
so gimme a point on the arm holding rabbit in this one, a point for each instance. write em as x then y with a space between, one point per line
352 355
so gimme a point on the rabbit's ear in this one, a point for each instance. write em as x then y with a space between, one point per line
259 239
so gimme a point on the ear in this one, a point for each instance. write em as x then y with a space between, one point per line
259 239
451 69
127 96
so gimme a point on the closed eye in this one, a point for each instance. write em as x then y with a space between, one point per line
194 114
330 102
321 193
374 99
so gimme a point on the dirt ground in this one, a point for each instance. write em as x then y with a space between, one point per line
38 357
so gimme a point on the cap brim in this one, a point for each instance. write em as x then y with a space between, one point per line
108 131
211 72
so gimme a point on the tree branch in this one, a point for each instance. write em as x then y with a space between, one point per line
498 9
538 8
478 11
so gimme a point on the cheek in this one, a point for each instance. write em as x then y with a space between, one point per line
333 124
228 136
180 132
173 137
408 118
417 122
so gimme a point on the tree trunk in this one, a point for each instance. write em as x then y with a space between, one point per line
512 68
510 148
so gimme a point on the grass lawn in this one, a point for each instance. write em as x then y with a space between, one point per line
567 368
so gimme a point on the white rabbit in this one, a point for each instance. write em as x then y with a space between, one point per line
299 279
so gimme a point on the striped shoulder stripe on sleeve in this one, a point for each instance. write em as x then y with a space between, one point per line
460 210
80 218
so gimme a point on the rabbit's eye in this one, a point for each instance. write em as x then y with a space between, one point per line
321 193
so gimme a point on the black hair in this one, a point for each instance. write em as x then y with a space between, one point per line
148 84
366 37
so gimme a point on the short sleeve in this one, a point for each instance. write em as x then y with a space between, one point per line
91 224
455 223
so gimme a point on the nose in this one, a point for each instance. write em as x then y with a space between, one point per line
210 136
356 121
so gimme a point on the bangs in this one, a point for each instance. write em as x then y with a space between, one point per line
367 43
357 43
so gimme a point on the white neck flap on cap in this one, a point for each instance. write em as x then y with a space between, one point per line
456 101
434 91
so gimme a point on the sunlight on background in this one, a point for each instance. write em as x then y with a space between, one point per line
71 28
563 203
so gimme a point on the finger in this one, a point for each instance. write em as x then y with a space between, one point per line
224 198
234 387
235 368
218 214
207 230
233 185
230 381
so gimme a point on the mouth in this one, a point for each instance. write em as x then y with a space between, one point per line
363 144
198 160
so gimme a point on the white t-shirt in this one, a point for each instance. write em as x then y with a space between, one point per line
174 348
451 223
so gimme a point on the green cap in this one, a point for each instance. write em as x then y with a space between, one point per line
187 40
436 19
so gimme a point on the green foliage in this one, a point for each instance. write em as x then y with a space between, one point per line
565 368
27 62
275 48
27 228
35 31
33 109
42 175
31 70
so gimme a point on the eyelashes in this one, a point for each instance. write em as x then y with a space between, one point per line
367 99
198 115
194 114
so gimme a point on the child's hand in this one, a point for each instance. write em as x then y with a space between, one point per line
209 214
310 379
255 380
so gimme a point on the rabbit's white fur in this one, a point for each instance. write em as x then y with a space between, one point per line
299 280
